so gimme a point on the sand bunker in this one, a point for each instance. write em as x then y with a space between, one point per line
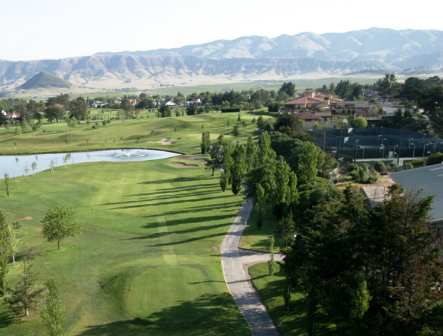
165 141
192 158
27 218
182 165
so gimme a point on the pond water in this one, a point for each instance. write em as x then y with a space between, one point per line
15 165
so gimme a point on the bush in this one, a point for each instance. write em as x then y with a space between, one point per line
393 167
418 163
408 165
380 167
229 110
435 159
352 167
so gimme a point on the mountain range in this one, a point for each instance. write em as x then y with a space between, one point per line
244 59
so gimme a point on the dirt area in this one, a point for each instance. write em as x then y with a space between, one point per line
27 218
165 141
182 165
192 158
383 181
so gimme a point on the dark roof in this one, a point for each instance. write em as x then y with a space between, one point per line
306 115
430 180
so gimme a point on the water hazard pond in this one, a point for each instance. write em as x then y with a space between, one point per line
15 165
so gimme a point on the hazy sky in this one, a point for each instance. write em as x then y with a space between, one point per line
51 29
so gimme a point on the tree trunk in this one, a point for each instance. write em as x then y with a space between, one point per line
58 241
13 259
26 311
213 169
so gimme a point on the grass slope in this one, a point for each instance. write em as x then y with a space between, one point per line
147 260
294 321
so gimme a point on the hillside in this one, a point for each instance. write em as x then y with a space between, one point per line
118 71
44 80
375 44
305 55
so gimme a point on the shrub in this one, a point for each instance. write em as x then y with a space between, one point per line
352 167
380 167
229 110
408 165
435 159
393 167
418 163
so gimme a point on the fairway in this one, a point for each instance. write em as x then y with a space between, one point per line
148 258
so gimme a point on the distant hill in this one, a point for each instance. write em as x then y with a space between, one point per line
44 80
305 55
375 44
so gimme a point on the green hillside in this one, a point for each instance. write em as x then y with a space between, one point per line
44 80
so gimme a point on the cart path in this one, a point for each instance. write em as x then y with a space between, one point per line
244 296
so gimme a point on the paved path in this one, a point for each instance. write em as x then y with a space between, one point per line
250 305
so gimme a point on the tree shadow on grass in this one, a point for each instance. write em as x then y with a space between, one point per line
178 232
7 318
172 198
171 203
190 220
225 206
177 180
210 314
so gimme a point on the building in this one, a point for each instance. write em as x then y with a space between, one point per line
311 100
429 180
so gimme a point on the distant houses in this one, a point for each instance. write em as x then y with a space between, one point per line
311 100
11 115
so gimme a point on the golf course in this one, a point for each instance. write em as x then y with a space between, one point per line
147 260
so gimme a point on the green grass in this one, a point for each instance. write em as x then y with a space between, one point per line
291 322
258 239
148 259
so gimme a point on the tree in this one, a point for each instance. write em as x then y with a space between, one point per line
286 228
360 122
271 262
261 123
78 109
60 223
24 296
56 111
235 131
127 107
288 88
191 109
52 165
5 250
34 166
375 268
165 111
206 142
66 159
259 203
215 158
13 242
238 168
7 183
52 311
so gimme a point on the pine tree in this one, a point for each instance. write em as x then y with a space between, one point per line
24 296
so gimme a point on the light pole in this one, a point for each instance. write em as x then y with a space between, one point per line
396 153
355 151
413 152
424 150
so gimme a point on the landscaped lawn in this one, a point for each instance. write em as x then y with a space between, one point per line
291 322
147 260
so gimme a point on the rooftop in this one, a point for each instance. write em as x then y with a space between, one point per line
430 180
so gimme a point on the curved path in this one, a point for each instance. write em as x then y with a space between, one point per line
248 302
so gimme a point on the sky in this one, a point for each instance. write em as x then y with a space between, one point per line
53 29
